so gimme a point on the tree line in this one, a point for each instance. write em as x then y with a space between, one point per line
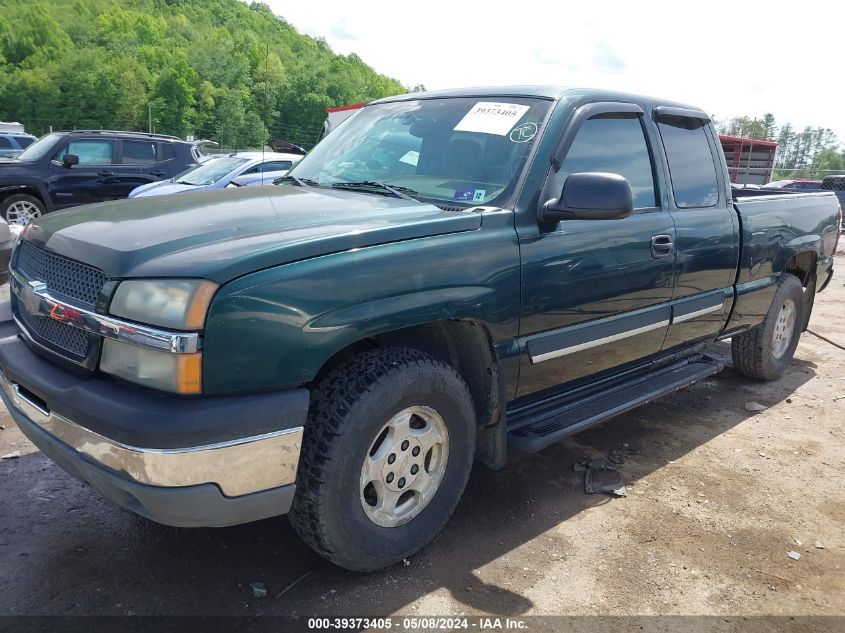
813 152
218 69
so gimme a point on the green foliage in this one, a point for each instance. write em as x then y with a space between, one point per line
216 69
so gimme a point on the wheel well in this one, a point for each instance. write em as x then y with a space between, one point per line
27 189
465 345
802 265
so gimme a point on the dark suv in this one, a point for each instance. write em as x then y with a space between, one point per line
65 169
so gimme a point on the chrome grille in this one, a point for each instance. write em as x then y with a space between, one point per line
65 337
64 276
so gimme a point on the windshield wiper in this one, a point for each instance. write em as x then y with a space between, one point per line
302 182
399 192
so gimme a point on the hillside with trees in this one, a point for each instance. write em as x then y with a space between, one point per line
216 69
809 153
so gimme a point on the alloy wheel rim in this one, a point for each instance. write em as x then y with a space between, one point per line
784 327
22 212
404 466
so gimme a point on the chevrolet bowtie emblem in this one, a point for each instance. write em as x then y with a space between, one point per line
30 295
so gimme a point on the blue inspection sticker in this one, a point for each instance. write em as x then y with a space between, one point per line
469 195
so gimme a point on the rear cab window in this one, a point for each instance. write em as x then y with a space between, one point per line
692 166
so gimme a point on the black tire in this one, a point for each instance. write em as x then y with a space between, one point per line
753 351
349 409
9 202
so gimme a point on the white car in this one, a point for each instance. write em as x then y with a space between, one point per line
219 171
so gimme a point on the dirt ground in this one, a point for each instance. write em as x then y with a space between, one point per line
717 497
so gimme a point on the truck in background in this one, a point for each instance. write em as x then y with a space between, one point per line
336 116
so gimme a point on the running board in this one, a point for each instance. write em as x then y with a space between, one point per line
537 428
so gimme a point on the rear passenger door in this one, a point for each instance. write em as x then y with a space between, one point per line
141 162
706 226
595 293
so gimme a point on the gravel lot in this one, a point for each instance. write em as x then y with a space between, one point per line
717 497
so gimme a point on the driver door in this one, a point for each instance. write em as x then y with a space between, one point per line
596 293
92 180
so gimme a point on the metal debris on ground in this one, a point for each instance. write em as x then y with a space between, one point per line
259 590
819 545
616 456
601 476
755 407
294 583
793 555
13 455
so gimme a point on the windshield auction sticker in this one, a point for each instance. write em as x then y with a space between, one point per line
488 117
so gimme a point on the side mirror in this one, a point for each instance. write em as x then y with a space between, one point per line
69 160
590 196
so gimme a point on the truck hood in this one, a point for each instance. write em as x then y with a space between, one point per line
226 233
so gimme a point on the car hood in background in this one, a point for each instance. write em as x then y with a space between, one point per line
163 188
226 233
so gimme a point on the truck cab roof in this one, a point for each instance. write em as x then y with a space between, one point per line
549 92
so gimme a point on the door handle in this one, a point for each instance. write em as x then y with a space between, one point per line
105 174
662 245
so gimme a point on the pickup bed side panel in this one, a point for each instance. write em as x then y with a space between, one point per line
277 327
773 230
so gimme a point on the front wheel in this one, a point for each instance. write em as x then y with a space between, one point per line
765 352
22 208
385 458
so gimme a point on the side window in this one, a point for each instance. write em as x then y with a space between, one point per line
90 151
24 141
691 165
275 165
616 144
139 152
166 151
5 143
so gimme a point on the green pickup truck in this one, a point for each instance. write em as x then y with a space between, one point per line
446 277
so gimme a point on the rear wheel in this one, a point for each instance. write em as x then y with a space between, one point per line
765 352
385 458
22 208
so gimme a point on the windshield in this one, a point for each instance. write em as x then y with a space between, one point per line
210 171
40 148
464 150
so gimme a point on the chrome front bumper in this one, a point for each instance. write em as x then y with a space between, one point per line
237 467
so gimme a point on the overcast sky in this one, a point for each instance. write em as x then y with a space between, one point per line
729 58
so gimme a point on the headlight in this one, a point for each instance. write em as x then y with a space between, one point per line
177 373
180 304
